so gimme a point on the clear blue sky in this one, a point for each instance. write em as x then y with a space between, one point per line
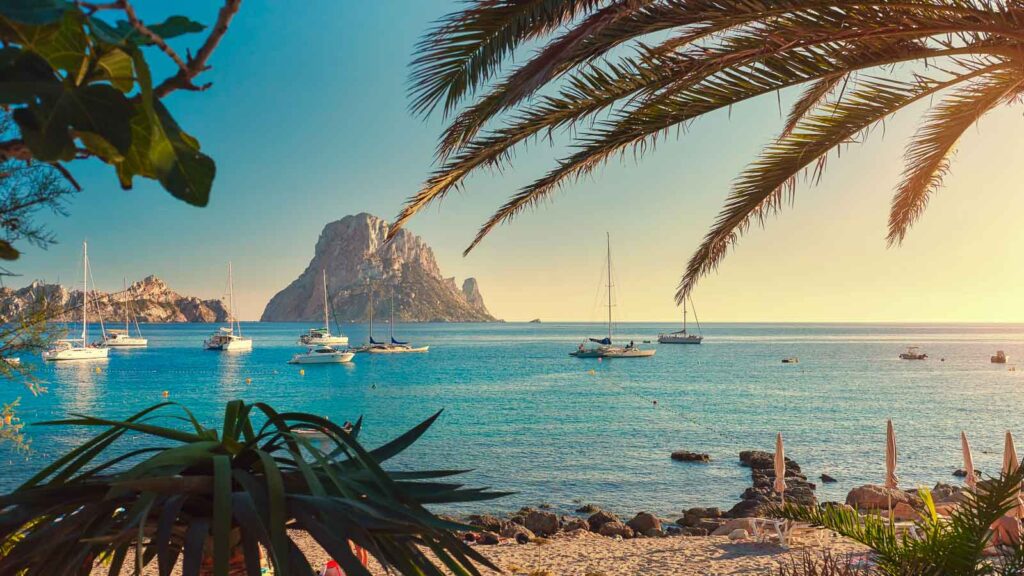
307 120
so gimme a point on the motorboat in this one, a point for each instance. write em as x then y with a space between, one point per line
603 348
78 348
322 355
123 338
999 358
681 336
229 338
791 360
323 335
913 353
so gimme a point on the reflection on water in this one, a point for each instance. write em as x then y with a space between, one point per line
79 383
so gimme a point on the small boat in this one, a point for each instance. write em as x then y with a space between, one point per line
791 360
79 348
322 355
323 335
913 353
605 348
13 361
394 347
999 358
123 338
681 336
229 338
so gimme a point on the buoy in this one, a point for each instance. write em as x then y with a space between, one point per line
592 372
97 369
655 402
599 358
166 393
302 372
248 380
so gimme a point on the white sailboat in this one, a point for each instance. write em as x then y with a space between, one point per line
393 347
317 336
229 338
122 338
681 336
78 348
604 347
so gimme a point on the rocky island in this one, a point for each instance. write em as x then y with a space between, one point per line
151 301
353 253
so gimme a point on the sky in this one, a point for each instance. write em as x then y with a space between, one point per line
308 121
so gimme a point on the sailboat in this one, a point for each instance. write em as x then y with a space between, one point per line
317 336
123 338
393 347
229 338
604 347
681 336
78 348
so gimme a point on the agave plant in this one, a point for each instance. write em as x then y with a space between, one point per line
618 75
947 546
213 499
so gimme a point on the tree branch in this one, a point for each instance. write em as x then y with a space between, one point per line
196 65
141 28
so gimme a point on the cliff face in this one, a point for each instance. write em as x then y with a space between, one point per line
151 300
353 253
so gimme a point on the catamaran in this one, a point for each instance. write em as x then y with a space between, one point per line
317 336
229 338
79 348
604 347
122 338
682 336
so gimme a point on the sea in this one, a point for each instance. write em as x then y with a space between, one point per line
525 417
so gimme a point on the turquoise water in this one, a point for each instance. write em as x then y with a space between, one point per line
528 418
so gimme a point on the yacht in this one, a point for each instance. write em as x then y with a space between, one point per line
681 336
323 335
117 338
322 355
229 338
395 346
603 347
79 348
913 353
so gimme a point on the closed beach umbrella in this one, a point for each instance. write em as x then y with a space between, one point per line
780 466
1010 466
891 481
970 480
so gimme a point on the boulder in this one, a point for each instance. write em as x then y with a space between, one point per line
693 531
760 459
542 523
599 519
711 524
653 533
827 479
643 522
875 497
575 524
513 530
588 509
486 522
687 456
738 535
671 530
487 538
615 529
745 524
943 493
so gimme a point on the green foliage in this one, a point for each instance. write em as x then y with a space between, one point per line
78 85
618 77
169 493
947 546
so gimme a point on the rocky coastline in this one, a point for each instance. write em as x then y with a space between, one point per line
530 524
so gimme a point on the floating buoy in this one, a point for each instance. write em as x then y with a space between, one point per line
655 402
599 358
302 372
248 380
97 369
166 393
592 372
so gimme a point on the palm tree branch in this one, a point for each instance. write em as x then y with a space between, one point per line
762 187
927 157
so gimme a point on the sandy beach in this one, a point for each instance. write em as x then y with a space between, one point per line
579 553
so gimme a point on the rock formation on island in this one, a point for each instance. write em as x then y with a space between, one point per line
151 300
353 252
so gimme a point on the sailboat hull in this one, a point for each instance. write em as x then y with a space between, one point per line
234 344
389 349
676 339
126 342
309 340
75 353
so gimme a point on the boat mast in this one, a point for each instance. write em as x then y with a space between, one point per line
684 315
232 321
370 284
609 240
391 323
327 326
85 292
124 281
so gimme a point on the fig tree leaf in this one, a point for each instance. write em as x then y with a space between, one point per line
63 43
115 66
34 11
97 108
8 252
122 31
25 76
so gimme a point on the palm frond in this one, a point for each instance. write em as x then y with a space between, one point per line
927 156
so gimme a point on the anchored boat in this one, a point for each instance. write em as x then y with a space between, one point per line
913 353
229 338
604 347
394 347
322 355
79 348
123 338
323 335
682 336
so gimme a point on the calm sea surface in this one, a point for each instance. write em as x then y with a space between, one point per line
529 418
